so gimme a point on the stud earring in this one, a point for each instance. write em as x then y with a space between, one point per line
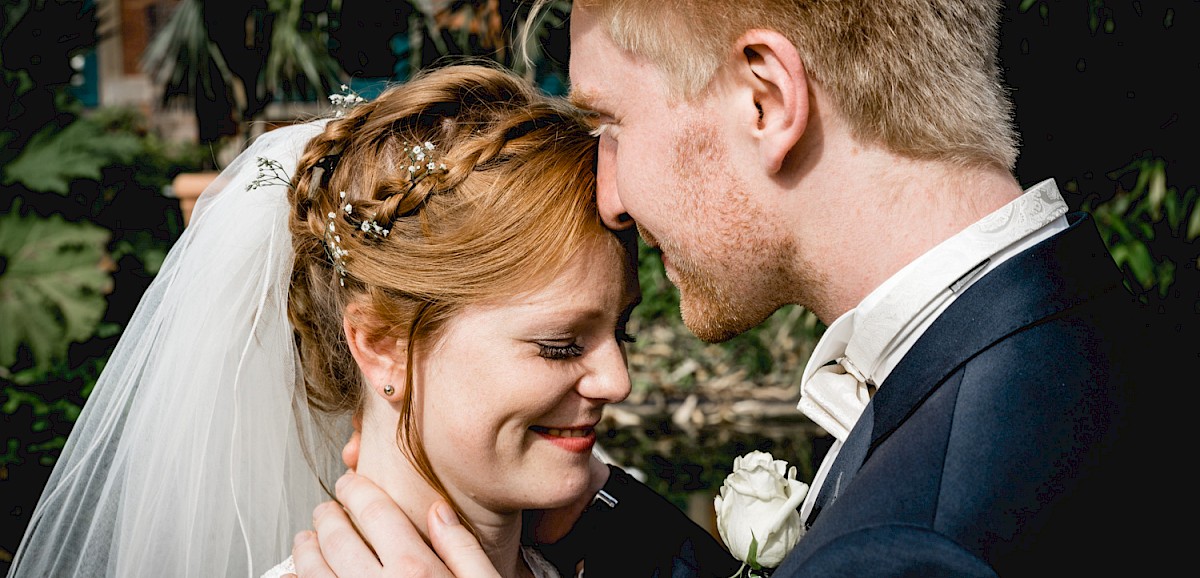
388 390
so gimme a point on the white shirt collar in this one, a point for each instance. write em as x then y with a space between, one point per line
877 333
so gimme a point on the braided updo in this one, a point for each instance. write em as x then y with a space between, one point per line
514 204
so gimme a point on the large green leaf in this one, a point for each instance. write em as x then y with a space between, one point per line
52 285
54 157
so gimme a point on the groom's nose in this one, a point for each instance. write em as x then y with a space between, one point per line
607 200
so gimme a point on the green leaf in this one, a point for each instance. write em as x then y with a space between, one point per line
1193 228
55 443
52 285
11 455
1141 264
1158 189
752 555
54 157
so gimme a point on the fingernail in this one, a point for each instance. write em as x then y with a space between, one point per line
446 514
302 537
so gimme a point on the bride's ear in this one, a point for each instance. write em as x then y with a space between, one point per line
380 358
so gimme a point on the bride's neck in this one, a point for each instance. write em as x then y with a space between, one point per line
382 462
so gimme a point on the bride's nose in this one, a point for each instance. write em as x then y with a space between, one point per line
607 379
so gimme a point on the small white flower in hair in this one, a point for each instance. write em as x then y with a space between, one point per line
270 172
343 102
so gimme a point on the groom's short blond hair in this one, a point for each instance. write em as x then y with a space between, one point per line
919 77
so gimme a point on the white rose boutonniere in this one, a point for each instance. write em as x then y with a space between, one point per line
756 511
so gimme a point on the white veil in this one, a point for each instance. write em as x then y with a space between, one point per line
187 458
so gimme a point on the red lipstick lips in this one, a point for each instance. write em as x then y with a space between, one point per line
573 439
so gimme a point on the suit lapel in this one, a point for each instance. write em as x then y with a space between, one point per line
1050 277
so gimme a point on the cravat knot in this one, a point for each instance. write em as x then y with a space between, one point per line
835 396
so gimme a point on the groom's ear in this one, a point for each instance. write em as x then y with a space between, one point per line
772 78
381 358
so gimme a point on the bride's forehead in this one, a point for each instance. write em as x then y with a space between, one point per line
596 281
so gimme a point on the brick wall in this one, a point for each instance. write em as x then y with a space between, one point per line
140 19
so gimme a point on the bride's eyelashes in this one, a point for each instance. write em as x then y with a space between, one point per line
573 349
567 351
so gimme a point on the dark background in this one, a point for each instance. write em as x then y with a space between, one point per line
1088 102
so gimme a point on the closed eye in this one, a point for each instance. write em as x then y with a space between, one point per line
559 351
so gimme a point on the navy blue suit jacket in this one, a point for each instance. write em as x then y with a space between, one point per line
1006 442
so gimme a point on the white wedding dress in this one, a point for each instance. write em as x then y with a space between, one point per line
540 567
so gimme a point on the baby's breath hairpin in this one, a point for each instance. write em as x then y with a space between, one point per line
333 241
343 102
422 164
269 172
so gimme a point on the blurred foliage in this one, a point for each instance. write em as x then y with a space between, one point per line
230 61
1151 230
55 156
1102 106
83 225
52 285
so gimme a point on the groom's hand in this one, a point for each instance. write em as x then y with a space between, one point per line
338 549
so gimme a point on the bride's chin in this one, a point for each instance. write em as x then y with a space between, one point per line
565 491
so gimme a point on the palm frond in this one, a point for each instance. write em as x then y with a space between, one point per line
299 61
182 58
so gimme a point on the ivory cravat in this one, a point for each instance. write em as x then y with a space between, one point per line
833 393
865 343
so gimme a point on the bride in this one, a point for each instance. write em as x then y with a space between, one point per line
430 263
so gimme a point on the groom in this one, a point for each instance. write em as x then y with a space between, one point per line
983 366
